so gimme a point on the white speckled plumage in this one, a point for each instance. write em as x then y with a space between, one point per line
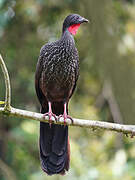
55 81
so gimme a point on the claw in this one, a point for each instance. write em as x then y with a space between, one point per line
50 115
69 117
65 116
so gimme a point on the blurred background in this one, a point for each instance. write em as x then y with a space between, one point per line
105 90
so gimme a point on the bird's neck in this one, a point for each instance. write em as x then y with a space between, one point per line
67 36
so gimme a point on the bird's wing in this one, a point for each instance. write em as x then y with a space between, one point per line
76 56
39 68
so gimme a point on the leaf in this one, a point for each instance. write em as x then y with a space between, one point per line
2 102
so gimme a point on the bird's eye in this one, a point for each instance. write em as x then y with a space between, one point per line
77 17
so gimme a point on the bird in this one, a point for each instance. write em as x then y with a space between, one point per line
56 76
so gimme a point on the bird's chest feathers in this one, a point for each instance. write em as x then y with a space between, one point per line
60 67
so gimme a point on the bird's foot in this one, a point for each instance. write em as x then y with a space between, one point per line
50 115
65 116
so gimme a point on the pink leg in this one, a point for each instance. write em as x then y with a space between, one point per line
50 114
65 115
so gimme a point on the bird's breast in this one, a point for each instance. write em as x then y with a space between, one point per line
59 72
60 68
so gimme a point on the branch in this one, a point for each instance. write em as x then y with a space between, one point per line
7 83
92 124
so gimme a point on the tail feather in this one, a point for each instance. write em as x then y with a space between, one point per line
54 148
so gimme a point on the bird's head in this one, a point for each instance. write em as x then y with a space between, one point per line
72 23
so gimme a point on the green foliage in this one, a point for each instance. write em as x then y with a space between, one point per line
106 49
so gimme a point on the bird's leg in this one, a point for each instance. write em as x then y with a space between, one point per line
65 115
50 114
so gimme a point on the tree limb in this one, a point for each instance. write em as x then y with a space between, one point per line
7 83
94 125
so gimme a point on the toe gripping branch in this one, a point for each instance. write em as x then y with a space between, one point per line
65 115
50 114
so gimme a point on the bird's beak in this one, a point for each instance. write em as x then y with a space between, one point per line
82 20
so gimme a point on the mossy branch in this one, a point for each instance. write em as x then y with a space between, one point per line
92 124
7 84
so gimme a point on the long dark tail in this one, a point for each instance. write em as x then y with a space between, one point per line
54 145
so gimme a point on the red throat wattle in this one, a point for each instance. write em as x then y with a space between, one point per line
73 28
